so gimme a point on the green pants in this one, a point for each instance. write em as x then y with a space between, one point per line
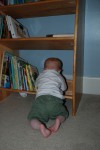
47 107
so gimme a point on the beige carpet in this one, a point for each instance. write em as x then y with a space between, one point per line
76 133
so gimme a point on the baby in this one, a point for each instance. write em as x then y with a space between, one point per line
49 102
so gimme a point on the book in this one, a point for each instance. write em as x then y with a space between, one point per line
20 1
1 25
26 80
5 32
5 82
1 2
4 72
10 2
21 63
16 73
33 72
1 65
29 1
29 79
19 75
59 35
16 77
16 28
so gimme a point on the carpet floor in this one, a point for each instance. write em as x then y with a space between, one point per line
81 132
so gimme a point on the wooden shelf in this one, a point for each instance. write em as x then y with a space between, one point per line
37 9
37 43
29 92
41 8
16 90
68 93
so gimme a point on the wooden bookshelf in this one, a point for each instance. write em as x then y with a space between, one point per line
44 8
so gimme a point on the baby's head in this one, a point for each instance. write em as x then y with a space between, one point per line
53 64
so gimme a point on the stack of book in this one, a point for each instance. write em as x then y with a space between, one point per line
11 28
16 73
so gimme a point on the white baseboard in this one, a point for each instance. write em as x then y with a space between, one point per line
90 85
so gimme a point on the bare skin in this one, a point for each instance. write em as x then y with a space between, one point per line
56 125
36 124
46 132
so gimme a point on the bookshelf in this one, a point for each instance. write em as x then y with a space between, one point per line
52 8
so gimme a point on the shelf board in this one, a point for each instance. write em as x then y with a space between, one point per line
30 92
68 93
39 9
16 90
39 43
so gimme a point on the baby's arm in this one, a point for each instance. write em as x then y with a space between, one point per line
63 84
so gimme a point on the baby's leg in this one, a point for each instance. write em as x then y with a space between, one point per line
56 125
36 124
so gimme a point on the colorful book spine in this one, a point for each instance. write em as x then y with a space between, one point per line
26 80
29 79
16 72
31 73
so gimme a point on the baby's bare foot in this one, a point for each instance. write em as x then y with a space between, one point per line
44 131
55 126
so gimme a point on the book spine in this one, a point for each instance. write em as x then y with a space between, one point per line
11 2
22 79
25 80
13 73
31 75
29 80
10 74
6 83
16 72
1 25
19 75
2 80
5 76
20 1
2 2
1 65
